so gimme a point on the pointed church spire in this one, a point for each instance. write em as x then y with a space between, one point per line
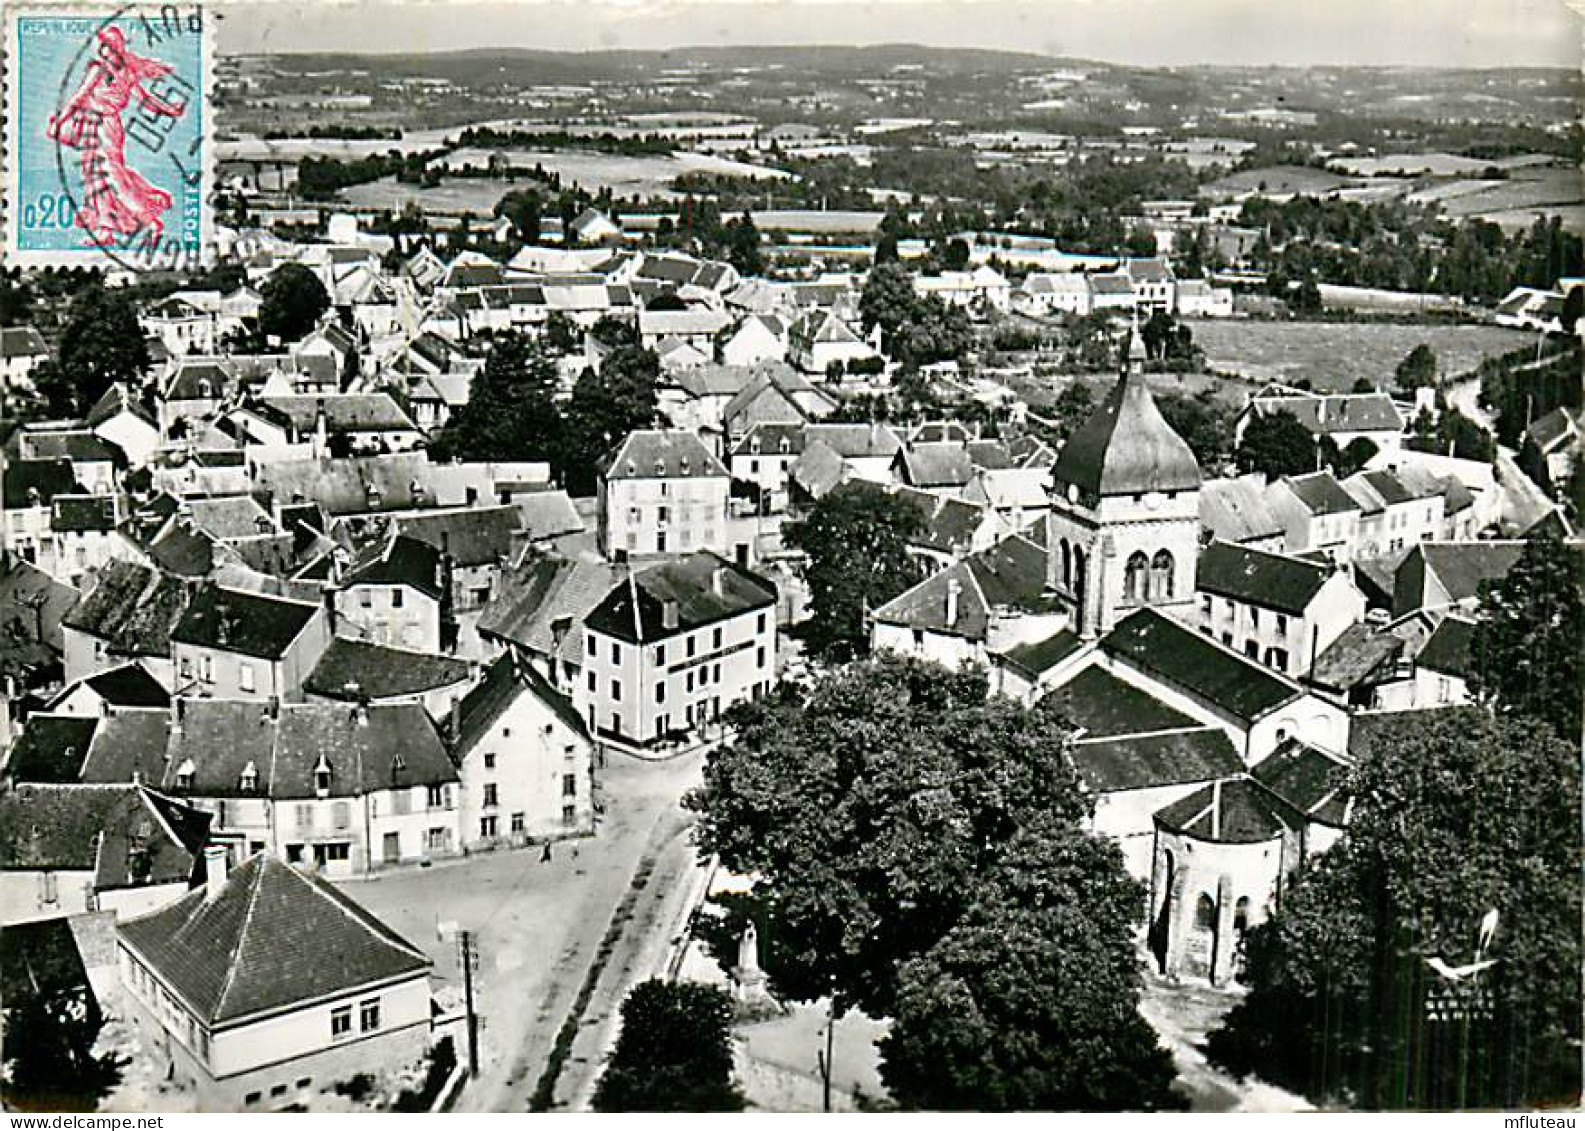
1134 356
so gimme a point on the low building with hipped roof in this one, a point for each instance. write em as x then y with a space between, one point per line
236 644
267 985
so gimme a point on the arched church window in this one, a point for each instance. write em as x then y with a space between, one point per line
1067 566
1205 914
1135 577
1161 575
1079 570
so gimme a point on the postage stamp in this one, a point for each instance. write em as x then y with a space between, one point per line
109 150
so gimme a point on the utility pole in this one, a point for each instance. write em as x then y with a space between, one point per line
467 946
823 1059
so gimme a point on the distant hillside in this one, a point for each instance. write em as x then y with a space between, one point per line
575 66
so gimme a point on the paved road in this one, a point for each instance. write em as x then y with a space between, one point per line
539 924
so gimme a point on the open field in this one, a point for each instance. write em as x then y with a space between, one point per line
475 194
1334 354
642 175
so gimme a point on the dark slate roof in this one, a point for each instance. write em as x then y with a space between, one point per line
1126 447
1462 566
1178 757
253 624
1237 811
1009 575
949 523
1360 654
51 748
635 611
1386 484
938 465
132 608
1308 779
75 445
129 745
129 685
83 513
126 834
352 668
548 514
661 455
1160 646
474 537
503 683
401 560
1272 581
1103 706
41 960
32 604
184 550
855 441
1042 655
367 749
1447 651
1340 412
34 482
272 939
1321 493
533 598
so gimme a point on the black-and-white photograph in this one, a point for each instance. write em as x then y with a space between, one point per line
789 556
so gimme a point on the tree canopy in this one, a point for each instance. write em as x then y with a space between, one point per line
855 541
1456 813
1417 370
916 840
1029 1002
915 329
674 1052
511 412
101 344
1526 646
607 403
292 300
1275 444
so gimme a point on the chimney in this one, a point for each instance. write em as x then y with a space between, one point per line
180 717
454 721
718 580
954 589
216 864
1216 809
668 615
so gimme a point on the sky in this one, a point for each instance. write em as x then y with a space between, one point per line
1465 33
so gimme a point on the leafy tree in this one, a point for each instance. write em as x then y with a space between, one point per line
1275 444
608 403
1447 431
869 805
561 334
1347 460
1030 1001
674 1052
54 1068
16 299
1204 422
1416 371
1456 813
524 209
955 257
1362 385
1526 646
888 299
101 344
935 331
856 541
292 301
743 246
1141 242
1072 408
511 412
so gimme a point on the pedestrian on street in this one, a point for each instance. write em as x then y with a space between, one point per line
544 857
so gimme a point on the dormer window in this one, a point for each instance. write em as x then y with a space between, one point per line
249 781
185 773
322 776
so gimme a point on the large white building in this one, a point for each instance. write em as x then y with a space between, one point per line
663 493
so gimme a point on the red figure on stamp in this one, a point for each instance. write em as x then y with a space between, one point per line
117 200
